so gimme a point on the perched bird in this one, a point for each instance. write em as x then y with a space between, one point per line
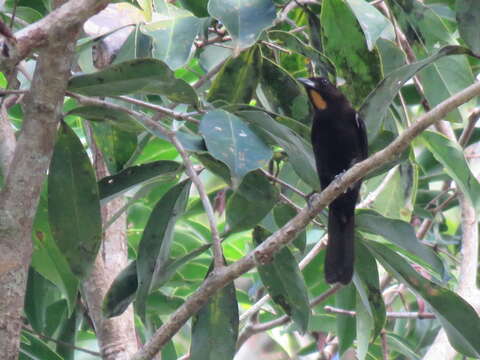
339 140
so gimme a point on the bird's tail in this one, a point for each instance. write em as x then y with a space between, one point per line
340 249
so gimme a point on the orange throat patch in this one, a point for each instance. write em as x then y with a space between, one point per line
317 100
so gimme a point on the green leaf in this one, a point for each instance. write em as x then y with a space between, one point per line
451 156
401 234
283 213
344 44
280 93
48 260
402 346
299 151
237 80
244 20
73 203
364 329
143 76
173 31
231 140
468 18
122 291
33 348
284 282
292 42
154 247
366 280
215 326
458 318
197 7
137 46
376 104
372 22
426 32
115 185
346 325
252 201
117 146
117 118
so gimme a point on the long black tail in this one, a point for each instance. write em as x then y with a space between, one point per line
340 249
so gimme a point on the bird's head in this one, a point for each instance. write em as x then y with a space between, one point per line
322 92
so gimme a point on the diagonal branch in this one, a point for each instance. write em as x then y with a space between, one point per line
264 252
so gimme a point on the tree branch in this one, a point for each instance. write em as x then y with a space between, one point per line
264 252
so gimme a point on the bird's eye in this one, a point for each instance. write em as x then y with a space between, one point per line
324 81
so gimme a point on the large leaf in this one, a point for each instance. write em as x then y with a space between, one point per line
173 30
144 76
468 18
245 19
280 93
451 156
31 347
426 31
138 45
48 260
283 213
251 202
74 203
154 248
344 44
215 327
115 185
299 151
372 22
376 104
237 80
284 282
124 288
116 145
366 280
458 318
230 140
401 234
197 7
114 117
346 325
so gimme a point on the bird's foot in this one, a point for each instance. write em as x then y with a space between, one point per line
310 197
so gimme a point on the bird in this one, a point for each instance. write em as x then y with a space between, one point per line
339 140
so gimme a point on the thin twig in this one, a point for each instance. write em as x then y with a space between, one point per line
390 314
210 74
63 343
374 194
283 183
383 336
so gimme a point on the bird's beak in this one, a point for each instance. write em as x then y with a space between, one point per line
306 82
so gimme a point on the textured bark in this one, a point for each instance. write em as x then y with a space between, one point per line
20 194
116 337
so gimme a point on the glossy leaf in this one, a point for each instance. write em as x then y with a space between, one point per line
457 317
173 31
143 76
344 44
154 247
251 202
34 348
376 104
346 325
372 22
280 93
232 141
137 46
401 234
197 7
237 80
117 118
284 282
73 203
283 213
451 156
215 326
115 185
367 283
245 19
48 260
468 18
299 151
117 146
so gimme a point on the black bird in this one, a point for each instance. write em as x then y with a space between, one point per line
339 140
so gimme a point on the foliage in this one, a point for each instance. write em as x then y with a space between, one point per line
223 76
